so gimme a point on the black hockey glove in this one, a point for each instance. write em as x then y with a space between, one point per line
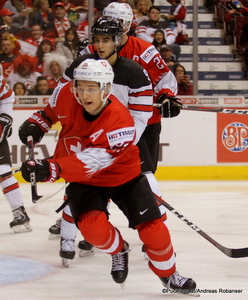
36 126
45 170
170 105
5 126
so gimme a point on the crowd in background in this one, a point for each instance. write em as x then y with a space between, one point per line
39 39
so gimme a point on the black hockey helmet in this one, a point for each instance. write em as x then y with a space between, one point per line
107 26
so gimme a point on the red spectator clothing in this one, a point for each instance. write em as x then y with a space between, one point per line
242 11
83 30
96 150
185 90
36 43
53 82
179 13
69 6
55 29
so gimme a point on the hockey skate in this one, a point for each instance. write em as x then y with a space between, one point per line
55 230
119 269
180 284
21 220
85 249
67 251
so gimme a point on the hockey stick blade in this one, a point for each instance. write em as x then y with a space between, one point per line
46 197
233 253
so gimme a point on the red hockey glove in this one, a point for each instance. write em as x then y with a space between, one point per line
5 126
45 170
170 105
36 126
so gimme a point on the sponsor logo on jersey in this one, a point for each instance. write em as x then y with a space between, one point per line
119 137
235 137
148 54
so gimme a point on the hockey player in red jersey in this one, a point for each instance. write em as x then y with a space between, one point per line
8 183
132 87
164 86
96 154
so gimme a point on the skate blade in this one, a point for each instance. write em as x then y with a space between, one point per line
22 228
85 253
53 236
146 257
122 285
66 262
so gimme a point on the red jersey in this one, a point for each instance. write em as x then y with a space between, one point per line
95 150
144 53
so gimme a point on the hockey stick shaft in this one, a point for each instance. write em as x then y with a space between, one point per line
33 183
210 109
10 173
234 253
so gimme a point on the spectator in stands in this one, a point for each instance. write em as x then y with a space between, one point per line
20 10
54 67
73 11
7 57
36 35
210 4
185 86
23 71
168 56
45 46
177 21
142 8
159 39
6 18
61 23
41 14
19 89
244 43
236 8
69 47
83 27
6 35
41 87
146 29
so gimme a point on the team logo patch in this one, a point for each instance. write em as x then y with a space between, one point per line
235 137
119 137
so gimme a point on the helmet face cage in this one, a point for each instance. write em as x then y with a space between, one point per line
121 11
99 71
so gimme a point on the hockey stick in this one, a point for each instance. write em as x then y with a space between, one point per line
210 109
10 173
35 196
46 197
234 253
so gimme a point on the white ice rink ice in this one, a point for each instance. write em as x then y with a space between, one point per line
30 267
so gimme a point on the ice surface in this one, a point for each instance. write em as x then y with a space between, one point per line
30 267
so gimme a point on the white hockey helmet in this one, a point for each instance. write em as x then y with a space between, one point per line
121 11
95 70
